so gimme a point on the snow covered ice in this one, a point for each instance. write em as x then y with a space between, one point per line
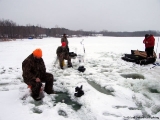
109 93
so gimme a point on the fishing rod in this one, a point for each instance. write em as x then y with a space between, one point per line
83 45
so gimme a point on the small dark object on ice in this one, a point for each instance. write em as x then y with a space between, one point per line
79 91
81 68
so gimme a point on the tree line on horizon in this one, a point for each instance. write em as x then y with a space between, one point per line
10 30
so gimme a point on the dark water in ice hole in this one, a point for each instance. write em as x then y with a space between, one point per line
99 88
64 98
133 76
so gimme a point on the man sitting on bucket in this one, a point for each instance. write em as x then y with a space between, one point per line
34 72
63 54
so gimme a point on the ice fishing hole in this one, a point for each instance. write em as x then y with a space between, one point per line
152 90
133 76
99 88
64 97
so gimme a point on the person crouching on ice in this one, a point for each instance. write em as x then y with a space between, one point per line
62 53
34 73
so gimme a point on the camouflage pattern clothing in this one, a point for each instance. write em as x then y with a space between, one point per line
34 68
62 53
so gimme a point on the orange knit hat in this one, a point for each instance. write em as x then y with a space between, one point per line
37 53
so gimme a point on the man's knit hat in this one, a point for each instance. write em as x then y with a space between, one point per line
37 53
146 35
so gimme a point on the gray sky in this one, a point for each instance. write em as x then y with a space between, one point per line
87 15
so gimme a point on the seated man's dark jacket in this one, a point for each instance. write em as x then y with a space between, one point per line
33 68
62 51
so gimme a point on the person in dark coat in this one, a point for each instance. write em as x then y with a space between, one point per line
63 54
64 39
149 42
34 73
